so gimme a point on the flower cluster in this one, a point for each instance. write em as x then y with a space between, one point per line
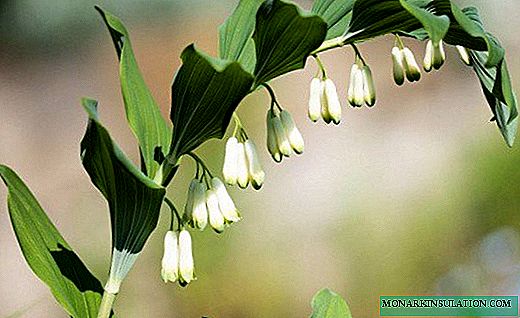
177 262
209 202
283 137
242 164
361 89
324 101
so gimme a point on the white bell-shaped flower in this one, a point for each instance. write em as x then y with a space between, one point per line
216 219
190 199
256 173
199 217
428 57
439 55
413 73
225 203
186 266
230 167
242 168
330 100
314 111
355 93
398 65
369 88
272 144
282 140
170 260
464 55
292 132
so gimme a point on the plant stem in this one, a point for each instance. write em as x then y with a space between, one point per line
106 305
330 44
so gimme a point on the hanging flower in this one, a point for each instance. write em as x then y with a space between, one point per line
186 266
369 88
355 93
292 132
225 204
230 167
398 65
199 216
282 135
330 105
216 219
256 173
170 260
434 56
314 111
413 73
464 55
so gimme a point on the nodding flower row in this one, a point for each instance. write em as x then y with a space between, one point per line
208 200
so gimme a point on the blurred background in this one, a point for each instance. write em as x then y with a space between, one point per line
419 195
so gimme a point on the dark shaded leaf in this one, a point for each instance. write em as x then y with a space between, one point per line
371 18
336 13
496 85
134 199
328 304
142 112
236 43
48 254
284 38
205 93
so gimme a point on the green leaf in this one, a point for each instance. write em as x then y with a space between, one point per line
336 13
134 199
205 93
142 112
48 254
497 88
327 304
371 18
235 34
467 29
284 38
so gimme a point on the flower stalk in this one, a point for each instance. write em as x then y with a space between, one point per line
105 308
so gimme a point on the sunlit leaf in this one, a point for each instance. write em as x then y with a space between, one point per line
142 112
371 18
48 254
496 85
134 200
205 93
284 38
236 43
327 304
336 13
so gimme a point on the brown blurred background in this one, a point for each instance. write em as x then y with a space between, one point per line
418 195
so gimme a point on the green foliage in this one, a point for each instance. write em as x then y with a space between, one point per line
336 13
236 43
205 93
134 200
48 254
284 38
142 112
328 304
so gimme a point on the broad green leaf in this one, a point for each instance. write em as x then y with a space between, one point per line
142 112
467 29
205 93
371 18
134 200
336 13
235 34
284 38
327 304
48 254
496 85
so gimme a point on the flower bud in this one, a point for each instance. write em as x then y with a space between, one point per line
199 218
315 100
464 55
439 55
272 145
188 208
186 268
359 92
281 137
294 135
398 65
170 260
369 87
332 101
428 57
216 219
225 203
351 91
256 173
243 170
230 168
413 73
